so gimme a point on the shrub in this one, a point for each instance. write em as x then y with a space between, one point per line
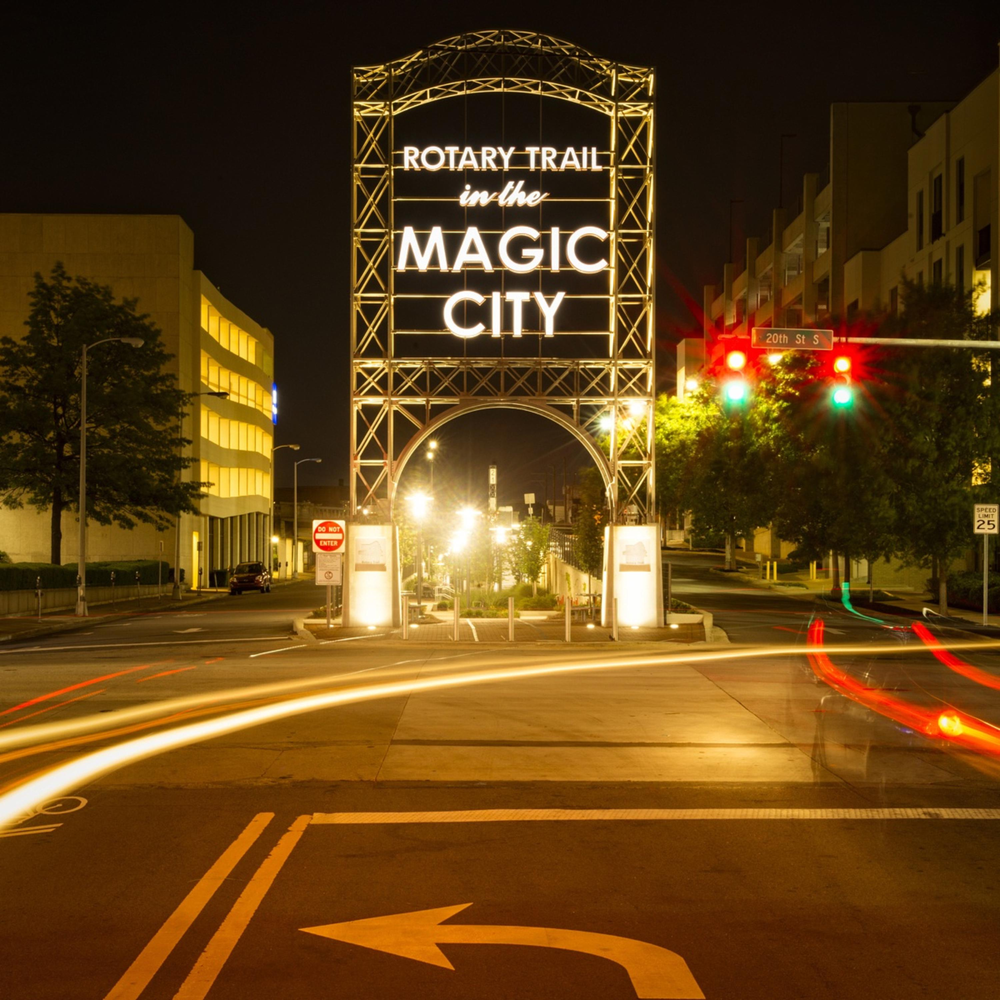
543 602
966 590
22 576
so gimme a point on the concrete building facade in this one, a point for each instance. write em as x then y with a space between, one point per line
215 348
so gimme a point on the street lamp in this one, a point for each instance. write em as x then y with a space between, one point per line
81 590
295 514
274 534
175 591
431 452
419 503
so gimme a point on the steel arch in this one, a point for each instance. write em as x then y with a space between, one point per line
396 400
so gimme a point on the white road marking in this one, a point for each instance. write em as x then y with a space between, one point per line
650 815
475 634
30 829
184 631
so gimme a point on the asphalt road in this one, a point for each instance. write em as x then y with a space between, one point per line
564 822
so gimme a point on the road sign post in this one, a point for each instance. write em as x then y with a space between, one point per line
986 522
329 574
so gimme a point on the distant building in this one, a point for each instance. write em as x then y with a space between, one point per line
216 348
797 274
911 190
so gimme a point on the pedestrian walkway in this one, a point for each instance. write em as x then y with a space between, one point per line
909 605
24 627
439 629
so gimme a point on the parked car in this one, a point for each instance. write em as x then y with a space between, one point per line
250 576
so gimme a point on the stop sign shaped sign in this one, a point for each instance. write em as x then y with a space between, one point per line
328 536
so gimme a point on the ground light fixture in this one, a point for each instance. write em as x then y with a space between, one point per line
691 385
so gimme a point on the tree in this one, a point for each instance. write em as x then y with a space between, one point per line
589 519
133 407
713 460
527 550
941 417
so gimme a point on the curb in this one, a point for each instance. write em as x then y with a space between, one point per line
78 624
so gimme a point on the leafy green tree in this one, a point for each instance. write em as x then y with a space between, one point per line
589 519
713 460
133 407
941 420
527 550
834 489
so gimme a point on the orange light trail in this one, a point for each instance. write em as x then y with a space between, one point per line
76 687
64 777
955 726
51 708
952 662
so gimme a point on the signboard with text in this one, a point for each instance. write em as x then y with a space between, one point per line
778 339
328 536
986 519
329 569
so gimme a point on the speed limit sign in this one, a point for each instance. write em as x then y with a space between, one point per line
986 519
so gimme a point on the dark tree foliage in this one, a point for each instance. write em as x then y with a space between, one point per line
133 406
896 473
942 424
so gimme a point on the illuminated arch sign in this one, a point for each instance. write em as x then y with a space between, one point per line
516 250
503 253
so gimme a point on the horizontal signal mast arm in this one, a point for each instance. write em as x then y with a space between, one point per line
970 345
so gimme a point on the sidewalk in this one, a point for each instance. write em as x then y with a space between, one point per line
907 605
544 628
21 628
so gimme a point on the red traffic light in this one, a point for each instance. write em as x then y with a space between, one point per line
842 364
736 360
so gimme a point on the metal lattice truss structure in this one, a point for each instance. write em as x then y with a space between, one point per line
399 401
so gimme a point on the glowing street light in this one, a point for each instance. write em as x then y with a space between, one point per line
295 514
274 537
419 505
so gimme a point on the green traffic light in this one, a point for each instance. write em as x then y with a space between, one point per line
843 395
736 390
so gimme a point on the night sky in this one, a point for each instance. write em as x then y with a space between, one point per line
237 118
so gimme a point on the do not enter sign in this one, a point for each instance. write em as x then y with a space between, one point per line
328 536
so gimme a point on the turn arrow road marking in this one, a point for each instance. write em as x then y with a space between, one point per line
656 973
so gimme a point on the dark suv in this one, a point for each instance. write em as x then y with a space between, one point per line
250 576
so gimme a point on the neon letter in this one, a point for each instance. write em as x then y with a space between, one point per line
466 333
549 311
530 256
435 245
471 251
518 298
600 234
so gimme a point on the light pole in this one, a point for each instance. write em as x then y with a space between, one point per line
468 516
175 591
431 452
295 514
419 502
272 532
81 589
